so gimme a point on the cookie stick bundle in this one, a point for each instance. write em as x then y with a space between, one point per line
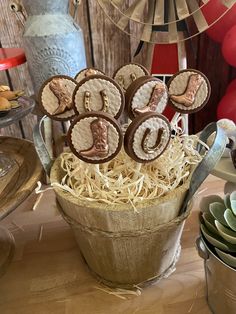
97 101
124 209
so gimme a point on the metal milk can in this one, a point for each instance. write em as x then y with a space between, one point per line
53 43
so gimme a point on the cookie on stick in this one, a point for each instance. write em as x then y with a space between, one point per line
128 73
95 137
55 97
146 94
147 137
189 91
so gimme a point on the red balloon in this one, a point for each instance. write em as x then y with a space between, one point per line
229 47
227 107
212 11
231 87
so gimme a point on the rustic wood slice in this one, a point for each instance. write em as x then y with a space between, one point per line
22 178
7 248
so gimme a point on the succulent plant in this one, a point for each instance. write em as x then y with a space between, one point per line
218 225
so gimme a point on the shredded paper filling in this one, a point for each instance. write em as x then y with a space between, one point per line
123 180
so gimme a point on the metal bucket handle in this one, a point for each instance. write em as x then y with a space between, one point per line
200 173
208 162
201 248
41 148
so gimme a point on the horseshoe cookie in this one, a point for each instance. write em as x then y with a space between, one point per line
146 94
87 72
189 91
128 73
98 93
55 97
95 137
147 137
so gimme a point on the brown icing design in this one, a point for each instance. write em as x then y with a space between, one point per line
59 89
87 72
95 137
146 94
157 94
147 137
56 97
189 91
100 147
145 140
188 97
121 82
90 71
87 100
98 93
105 100
133 77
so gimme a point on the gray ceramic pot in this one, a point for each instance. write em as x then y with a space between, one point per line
53 43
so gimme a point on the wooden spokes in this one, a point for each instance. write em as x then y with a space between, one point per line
152 17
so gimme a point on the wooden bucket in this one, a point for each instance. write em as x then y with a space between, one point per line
121 246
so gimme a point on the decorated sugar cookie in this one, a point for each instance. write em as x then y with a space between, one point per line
189 91
147 137
146 94
55 97
87 72
128 73
95 137
98 93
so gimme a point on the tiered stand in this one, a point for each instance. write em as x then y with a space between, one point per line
25 169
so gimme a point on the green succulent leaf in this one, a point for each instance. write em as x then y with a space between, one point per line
226 233
209 223
218 241
230 218
233 206
207 200
233 202
233 196
214 239
217 210
218 225
227 258
227 200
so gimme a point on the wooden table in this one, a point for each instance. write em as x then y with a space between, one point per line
48 274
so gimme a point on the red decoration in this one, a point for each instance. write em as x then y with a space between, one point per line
227 107
11 57
169 112
165 59
212 11
231 87
229 46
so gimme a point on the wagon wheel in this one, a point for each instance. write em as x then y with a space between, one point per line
150 17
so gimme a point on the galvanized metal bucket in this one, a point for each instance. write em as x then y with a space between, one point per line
220 281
